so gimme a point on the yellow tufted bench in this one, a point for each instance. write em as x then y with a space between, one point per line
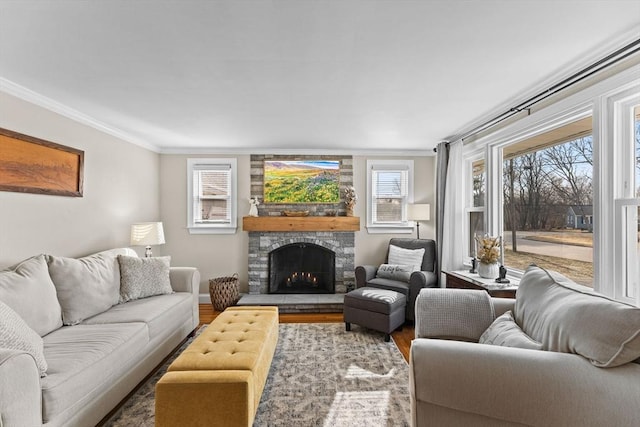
219 378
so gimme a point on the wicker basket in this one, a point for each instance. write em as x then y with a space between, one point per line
224 292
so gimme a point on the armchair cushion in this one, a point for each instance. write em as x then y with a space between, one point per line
505 331
396 272
569 318
462 314
402 256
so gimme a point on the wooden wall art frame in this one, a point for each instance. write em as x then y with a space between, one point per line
33 165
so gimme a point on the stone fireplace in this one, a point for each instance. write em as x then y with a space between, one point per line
318 231
302 268
264 243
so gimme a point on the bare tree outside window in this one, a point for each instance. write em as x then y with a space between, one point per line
548 207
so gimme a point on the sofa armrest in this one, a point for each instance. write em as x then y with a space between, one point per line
20 395
364 273
529 387
187 279
502 305
462 314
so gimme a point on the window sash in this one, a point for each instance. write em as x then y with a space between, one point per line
389 198
209 180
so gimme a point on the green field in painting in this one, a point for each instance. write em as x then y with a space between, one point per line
302 185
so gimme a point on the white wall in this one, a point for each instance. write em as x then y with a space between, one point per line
120 187
223 255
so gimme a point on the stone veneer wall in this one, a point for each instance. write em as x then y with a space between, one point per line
261 243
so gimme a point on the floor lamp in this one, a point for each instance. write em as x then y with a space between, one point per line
418 212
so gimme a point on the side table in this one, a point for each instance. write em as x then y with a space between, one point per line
465 280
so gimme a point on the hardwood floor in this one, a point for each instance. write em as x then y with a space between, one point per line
402 337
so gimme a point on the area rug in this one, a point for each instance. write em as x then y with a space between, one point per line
321 375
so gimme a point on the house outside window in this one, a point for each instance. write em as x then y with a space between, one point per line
212 195
389 190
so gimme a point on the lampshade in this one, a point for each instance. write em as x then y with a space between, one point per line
419 212
147 234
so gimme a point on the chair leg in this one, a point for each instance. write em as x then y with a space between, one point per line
347 326
387 337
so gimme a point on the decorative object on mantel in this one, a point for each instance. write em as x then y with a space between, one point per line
253 210
330 212
33 165
488 254
350 199
295 213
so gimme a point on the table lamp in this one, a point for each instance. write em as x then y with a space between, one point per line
147 234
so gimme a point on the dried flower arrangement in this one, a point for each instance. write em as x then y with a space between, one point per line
488 249
350 199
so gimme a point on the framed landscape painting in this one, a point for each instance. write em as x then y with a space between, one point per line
33 165
301 181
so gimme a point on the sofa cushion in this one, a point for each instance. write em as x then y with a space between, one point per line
161 313
15 334
83 359
505 331
395 272
143 277
402 256
566 317
86 286
27 288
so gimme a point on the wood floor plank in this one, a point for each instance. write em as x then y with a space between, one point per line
402 338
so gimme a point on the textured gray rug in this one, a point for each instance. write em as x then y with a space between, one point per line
320 376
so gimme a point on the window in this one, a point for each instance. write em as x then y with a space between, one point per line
211 189
627 208
389 190
548 201
476 201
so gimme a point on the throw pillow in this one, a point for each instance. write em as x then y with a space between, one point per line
566 317
143 277
504 331
86 286
395 272
15 334
402 256
27 288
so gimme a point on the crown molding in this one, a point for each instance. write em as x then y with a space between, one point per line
28 95
294 151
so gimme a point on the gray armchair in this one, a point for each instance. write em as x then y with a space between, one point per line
425 278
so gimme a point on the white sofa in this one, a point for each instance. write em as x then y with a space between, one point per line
105 346
557 355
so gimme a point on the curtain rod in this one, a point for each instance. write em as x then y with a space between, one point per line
597 66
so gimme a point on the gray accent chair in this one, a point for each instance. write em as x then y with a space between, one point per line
425 278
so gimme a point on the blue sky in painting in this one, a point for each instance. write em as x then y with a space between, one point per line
323 164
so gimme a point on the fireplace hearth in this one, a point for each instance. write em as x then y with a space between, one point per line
301 268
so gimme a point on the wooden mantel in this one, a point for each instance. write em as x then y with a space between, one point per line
301 223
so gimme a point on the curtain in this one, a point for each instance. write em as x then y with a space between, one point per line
442 162
453 217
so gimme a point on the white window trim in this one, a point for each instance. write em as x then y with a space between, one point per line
230 228
405 227
601 101
469 159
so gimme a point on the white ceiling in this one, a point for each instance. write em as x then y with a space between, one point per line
280 75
